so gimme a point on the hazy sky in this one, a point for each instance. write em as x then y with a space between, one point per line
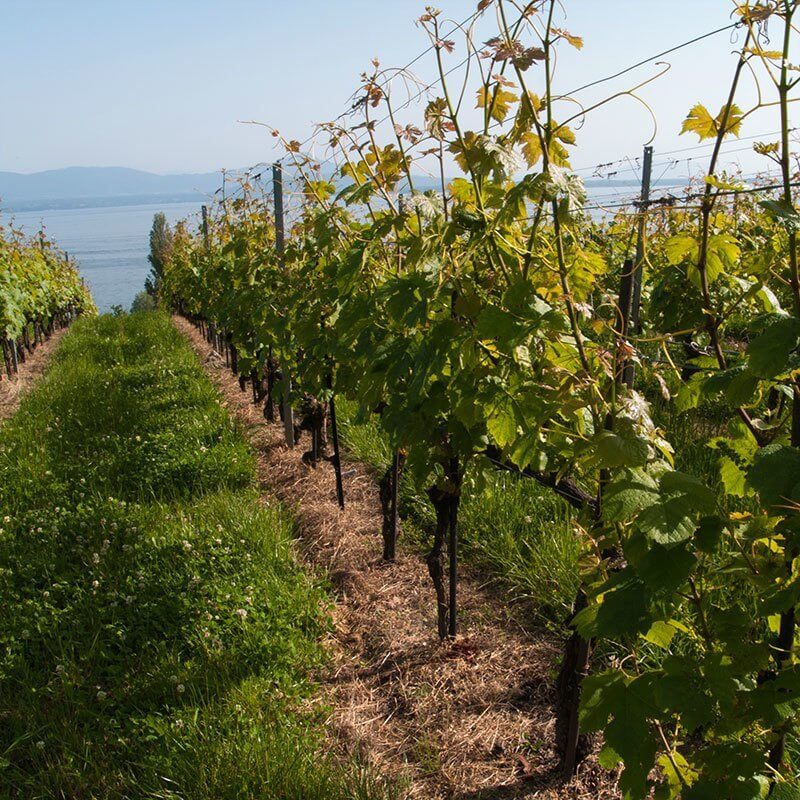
161 84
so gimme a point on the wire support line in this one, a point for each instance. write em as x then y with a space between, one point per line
671 200
429 49
464 61
618 74
649 60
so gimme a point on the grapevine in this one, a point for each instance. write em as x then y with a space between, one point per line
40 289
491 323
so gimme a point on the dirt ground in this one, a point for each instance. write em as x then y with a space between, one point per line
467 719
12 391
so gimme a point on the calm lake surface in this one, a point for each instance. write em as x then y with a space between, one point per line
111 245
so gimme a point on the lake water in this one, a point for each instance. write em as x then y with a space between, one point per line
111 245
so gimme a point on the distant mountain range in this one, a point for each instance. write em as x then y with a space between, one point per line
85 186
88 187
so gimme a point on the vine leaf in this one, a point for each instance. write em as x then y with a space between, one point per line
498 101
575 41
615 450
705 126
628 494
770 352
776 475
502 425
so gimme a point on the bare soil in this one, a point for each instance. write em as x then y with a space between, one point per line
12 391
466 719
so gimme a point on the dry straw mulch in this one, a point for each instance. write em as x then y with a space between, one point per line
12 391
468 719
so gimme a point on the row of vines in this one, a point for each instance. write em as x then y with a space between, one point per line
40 290
492 323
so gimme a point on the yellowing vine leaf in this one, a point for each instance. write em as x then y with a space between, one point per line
498 101
766 148
531 149
705 126
566 134
575 41
774 55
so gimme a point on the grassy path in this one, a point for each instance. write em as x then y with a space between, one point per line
157 636
470 719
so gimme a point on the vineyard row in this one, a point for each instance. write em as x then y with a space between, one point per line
493 323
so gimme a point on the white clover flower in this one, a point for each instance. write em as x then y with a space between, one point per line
101 695
241 613
95 584
95 558
60 669
40 745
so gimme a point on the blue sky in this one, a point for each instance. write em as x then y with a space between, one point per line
162 85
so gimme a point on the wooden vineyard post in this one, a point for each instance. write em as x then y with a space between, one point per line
204 213
638 264
391 519
14 355
579 650
452 547
390 523
277 188
632 320
624 321
206 328
395 489
337 460
7 357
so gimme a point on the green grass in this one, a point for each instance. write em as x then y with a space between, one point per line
157 639
518 532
